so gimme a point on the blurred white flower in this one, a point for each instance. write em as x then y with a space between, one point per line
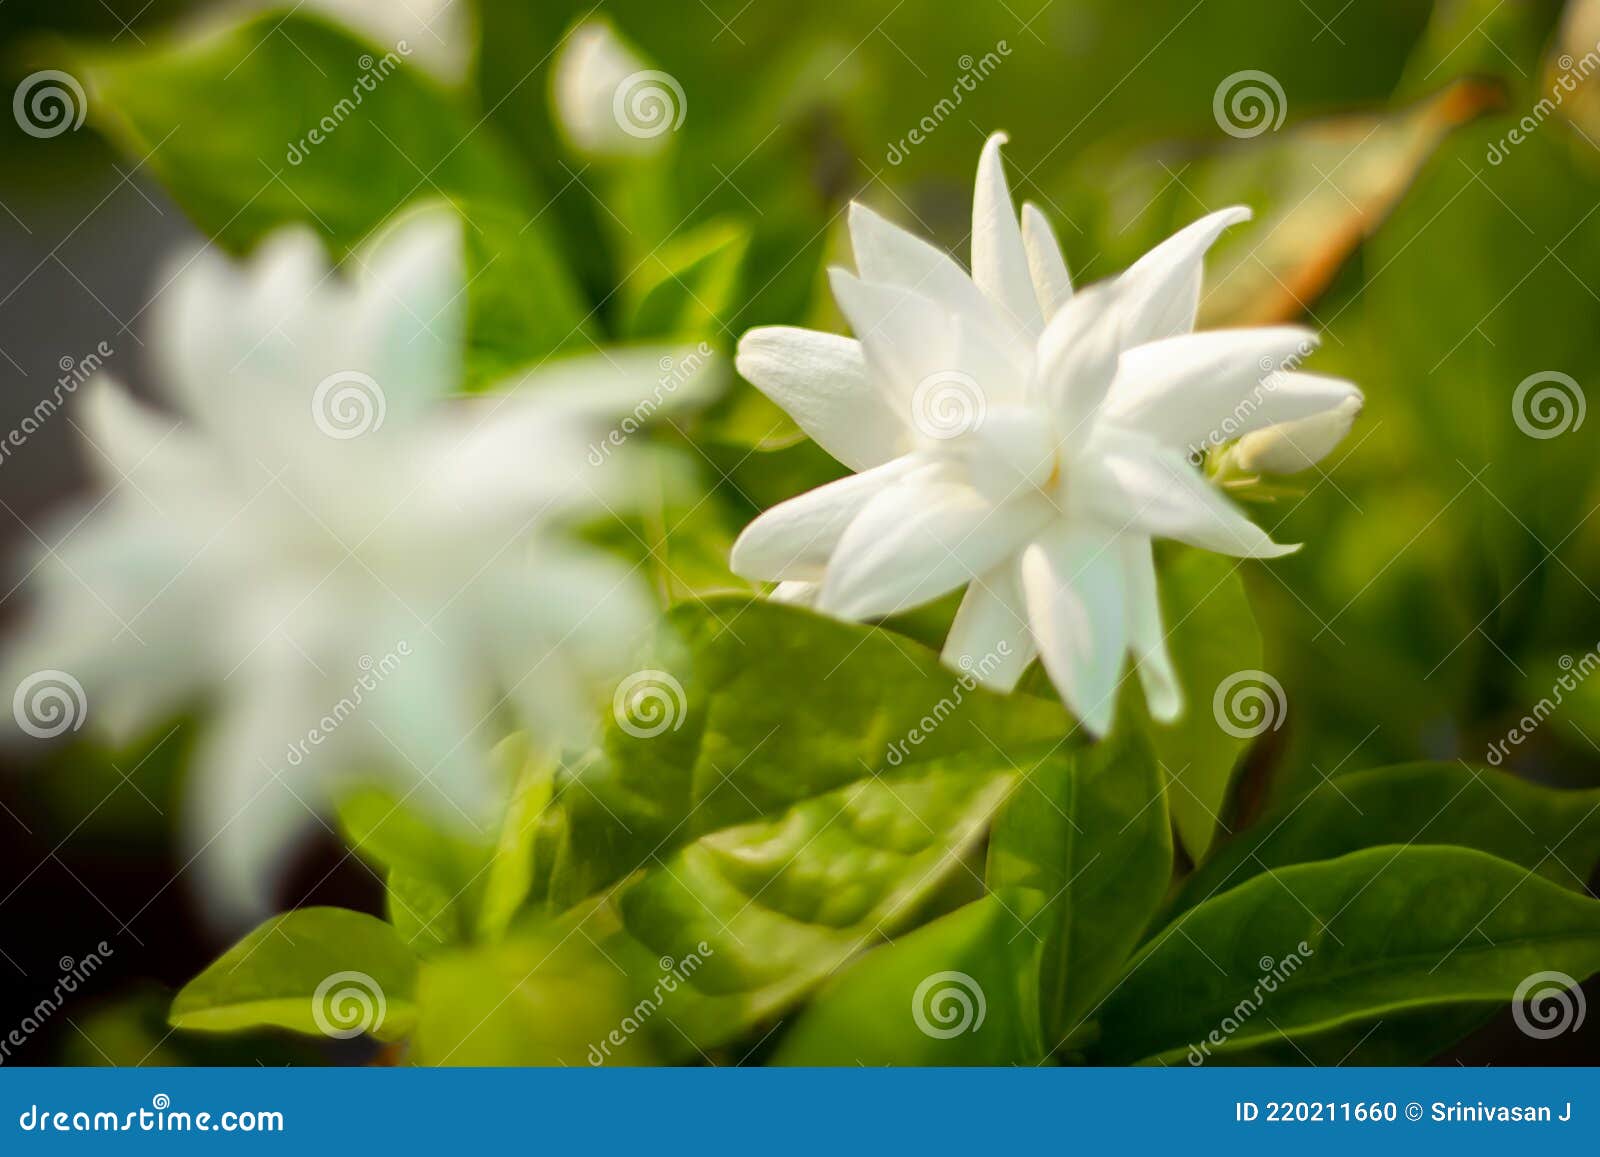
1014 434
355 572
607 101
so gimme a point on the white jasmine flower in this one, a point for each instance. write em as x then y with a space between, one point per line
1012 433
607 101
351 568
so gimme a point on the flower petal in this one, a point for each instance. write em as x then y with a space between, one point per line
1164 285
1072 580
1290 447
794 539
1052 284
989 638
1146 637
1203 389
820 380
920 538
999 261
1154 489
1078 357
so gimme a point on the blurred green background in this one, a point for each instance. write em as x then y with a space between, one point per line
1453 559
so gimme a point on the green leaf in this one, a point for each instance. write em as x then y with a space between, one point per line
533 999
1554 833
225 122
958 991
510 868
686 288
769 909
767 706
1088 833
1212 635
313 970
1316 948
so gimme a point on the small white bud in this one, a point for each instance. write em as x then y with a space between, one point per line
607 101
1290 447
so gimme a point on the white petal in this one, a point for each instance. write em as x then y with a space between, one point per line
129 439
989 638
1078 357
1052 284
1155 489
796 593
1203 389
1164 284
919 539
1290 447
999 261
794 539
1146 636
820 380
410 309
889 255
1072 579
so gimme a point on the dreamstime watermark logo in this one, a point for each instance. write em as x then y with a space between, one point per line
1548 404
373 672
347 1004
947 405
48 103
49 703
74 973
1574 672
972 671
674 373
1573 73
373 72
1548 1004
947 1004
348 404
1249 103
1274 973
74 373
974 71
649 103
649 702
1249 703
673 974
1238 421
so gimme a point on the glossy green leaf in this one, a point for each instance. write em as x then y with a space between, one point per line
1554 833
1088 835
1213 638
1316 948
957 991
766 706
313 970
285 118
687 287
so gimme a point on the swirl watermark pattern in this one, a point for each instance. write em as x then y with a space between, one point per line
1249 103
1249 703
49 703
648 703
649 103
947 1004
1548 404
347 1004
947 405
1548 1004
348 404
48 103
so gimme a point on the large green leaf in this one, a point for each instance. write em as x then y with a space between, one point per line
765 706
769 909
957 991
313 970
1554 833
1213 638
1089 836
225 122
1316 948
